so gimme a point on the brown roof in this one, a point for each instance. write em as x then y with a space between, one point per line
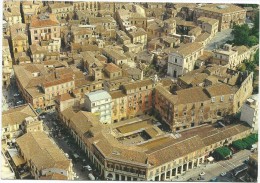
38 148
221 8
112 68
211 21
166 94
191 95
219 89
117 94
175 151
138 84
202 37
64 97
17 115
186 49
36 22
240 49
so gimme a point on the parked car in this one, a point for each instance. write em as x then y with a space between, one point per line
87 167
214 179
19 102
223 174
202 173
16 94
42 117
91 176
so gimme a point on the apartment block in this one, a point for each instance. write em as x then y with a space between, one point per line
99 103
230 56
227 14
203 96
44 27
250 112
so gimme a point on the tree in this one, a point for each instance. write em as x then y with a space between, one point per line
242 67
252 41
241 34
255 29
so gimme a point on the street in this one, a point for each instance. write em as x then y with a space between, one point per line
219 39
9 99
215 169
65 142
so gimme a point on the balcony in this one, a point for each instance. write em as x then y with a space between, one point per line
125 172
110 169
142 176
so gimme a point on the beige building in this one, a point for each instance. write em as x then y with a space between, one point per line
43 157
129 19
182 60
114 56
230 56
209 25
29 9
12 16
138 36
13 120
119 106
112 71
161 158
90 5
6 63
19 37
61 10
44 27
38 53
227 14
203 96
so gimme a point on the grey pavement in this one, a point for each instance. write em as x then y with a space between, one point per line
216 168
219 39
52 127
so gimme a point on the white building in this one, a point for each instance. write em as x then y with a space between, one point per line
183 59
249 112
99 102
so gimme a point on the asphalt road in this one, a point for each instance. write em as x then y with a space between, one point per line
65 142
216 168
219 39
8 98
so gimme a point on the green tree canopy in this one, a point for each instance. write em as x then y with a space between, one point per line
252 41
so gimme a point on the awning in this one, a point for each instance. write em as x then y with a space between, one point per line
210 158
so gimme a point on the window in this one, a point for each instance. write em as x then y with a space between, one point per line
213 99
35 32
36 38
175 60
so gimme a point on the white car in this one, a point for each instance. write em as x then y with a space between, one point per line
223 174
42 117
202 173
16 94
88 168
19 102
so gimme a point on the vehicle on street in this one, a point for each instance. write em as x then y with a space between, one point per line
19 102
214 179
42 117
16 94
91 176
223 174
202 173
